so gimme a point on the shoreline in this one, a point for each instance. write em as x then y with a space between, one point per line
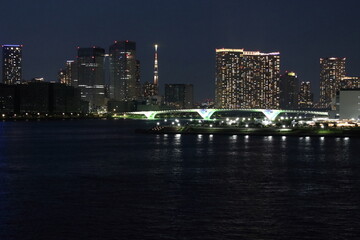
253 131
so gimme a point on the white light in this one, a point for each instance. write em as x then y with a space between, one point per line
179 125
346 138
246 125
211 125
158 123
283 126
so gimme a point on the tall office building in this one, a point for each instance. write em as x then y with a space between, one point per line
179 95
91 80
332 71
12 64
306 97
247 79
289 90
124 71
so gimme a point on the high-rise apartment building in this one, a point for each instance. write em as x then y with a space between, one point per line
179 95
306 97
247 79
332 71
12 64
91 80
124 71
289 90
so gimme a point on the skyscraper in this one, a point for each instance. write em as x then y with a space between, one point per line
289 90
247 79
12 64
332 71
124 71
305 96
179 95
91 81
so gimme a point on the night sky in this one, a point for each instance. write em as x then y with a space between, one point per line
188 31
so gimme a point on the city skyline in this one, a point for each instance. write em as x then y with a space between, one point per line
207 25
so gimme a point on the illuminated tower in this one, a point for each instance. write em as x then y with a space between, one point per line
332 71
156 72
12 64
247 79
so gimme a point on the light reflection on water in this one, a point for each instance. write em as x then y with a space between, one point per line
150 186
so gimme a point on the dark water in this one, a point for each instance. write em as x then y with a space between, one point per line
96 179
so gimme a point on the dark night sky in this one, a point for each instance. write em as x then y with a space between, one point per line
188 31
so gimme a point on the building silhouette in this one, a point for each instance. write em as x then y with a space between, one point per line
124 71
179 95
289 90
91 78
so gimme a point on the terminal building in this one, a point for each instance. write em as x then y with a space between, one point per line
349 104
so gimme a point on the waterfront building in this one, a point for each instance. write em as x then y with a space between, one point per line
179 95
12 64
306 97
41 97
289 90
332 71
124 71
347 104
91 78
7 98
247 79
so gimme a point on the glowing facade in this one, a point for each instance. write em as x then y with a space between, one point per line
12 64
124 71
247 79
332 71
